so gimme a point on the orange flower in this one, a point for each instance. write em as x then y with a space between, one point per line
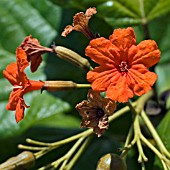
21 84
80 23
34 50
123 70
95 112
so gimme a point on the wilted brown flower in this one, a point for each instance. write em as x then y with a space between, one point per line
34 50
95 112
80 23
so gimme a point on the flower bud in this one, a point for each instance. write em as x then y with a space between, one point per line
72 57
111 161
58 85
22 161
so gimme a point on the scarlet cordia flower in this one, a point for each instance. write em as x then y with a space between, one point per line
123 65
95 112
34 51
80 23
21 84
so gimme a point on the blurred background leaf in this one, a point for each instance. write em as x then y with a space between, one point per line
51 114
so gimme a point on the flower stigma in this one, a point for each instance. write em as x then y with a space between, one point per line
123 66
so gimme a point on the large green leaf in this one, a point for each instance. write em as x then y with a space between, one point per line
124 12
42 106
159 8
163 130
161 35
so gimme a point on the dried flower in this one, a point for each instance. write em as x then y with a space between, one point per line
95 112
123 70
80 23
21 84
34 50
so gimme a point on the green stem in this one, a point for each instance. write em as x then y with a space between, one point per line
120 112
83 85
160 156
142 100
137 133
155 134
127 142
78 154
31 147
85 133
68 154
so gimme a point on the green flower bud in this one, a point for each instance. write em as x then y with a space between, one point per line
111 161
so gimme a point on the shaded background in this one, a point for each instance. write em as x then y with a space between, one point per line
52 115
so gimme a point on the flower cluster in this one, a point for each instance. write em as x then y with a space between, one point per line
122 71
29 51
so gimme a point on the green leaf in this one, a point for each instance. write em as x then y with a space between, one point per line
163 82
20 18
161 7
161 35
164 133
42 106
123 12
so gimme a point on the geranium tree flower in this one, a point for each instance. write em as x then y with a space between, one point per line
95 112
34 50
123 65
80 23
21 84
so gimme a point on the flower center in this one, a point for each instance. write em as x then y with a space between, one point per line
100 112
123 66
18 87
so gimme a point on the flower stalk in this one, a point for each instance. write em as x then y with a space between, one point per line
62 85
43 148
163 154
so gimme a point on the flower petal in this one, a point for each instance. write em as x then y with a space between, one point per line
13 99
11 73
35 62
146 53
143 78
100 77
19 114
123 39
120 90
103 124
34 50
21 59
80 23
100 50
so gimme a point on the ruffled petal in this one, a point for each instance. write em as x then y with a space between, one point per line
13 99
35 62
21 59
120 90
11 73
123 39
101 51
143 78
100 77
19 114
146 53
